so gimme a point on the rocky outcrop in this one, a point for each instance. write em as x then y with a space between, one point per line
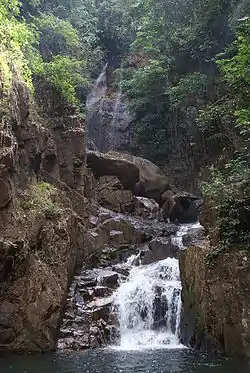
216 300
44 217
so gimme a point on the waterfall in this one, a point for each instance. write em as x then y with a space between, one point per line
149 306
99 89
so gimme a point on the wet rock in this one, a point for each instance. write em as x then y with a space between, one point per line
109 278
101 291
100 303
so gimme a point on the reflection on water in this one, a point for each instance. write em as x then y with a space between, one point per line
109 361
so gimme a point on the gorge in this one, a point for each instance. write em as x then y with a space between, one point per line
124 187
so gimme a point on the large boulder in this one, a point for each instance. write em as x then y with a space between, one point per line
113 164
181 207
135 173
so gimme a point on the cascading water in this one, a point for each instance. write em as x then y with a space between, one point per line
149 306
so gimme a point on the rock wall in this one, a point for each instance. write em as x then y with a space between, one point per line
44 208
216 300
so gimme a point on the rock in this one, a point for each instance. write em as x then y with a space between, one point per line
99 238
101 302
118 224
113 164
104 214
5 194
208 218
181 207
216 301
135 173
146 207
193 236
158 249
116 200
101 291
108 279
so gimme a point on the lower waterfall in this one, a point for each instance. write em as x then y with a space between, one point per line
149 306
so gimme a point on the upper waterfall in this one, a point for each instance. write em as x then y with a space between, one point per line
108 118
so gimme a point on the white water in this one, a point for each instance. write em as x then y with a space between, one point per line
149 306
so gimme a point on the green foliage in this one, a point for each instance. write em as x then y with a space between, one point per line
191 86
56 36
237 72
17 41
65 75
229 189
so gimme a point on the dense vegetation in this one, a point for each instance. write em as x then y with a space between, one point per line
184 68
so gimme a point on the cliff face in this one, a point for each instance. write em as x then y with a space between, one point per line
216 301
43 212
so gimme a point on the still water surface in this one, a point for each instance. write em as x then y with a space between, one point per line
111 361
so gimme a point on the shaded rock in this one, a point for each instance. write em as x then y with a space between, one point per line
5 194
193 236
158 249
109 278
101 291
99 238
181 207
216 301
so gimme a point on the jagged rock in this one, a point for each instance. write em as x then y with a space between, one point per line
101 291
101 302
99 237
104 214
181 207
